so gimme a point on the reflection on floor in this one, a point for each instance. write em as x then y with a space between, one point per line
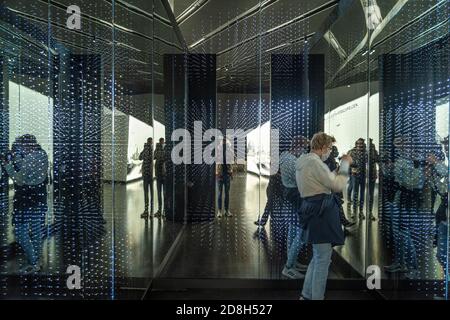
233 247
137 247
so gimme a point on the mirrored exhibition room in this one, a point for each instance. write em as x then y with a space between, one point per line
111 111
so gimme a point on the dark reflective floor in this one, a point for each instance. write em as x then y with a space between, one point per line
234 247
138 249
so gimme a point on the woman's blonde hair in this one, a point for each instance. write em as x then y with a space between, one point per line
320 140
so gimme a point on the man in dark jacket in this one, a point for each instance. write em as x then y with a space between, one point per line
147 175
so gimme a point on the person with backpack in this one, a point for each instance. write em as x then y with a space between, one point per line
160 174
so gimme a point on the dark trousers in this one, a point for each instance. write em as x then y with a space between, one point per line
224 183
274 193
160 188
148 183
359 190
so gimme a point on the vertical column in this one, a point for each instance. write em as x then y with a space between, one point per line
175 87
77 160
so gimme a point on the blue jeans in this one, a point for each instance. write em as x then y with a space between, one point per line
317 274
359 190
294 245
29 236
224 183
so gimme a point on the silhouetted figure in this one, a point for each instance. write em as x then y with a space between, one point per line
224 174
147 176
358 173
293 269
374 159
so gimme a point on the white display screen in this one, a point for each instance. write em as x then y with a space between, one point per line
138 133
348 122
258 150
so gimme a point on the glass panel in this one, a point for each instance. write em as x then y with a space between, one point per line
58 225
409 116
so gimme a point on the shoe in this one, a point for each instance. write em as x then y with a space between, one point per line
158 214
361 215
303 298
292 273
228 214
348 224
259 224
372 217
301 267
219 214
396 267
144 215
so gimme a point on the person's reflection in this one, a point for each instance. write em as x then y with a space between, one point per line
293 269
409 200
439 181
374 159
274 193
146 157
27 165
358 172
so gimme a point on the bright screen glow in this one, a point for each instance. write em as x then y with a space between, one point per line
348 122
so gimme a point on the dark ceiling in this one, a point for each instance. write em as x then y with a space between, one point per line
243 34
